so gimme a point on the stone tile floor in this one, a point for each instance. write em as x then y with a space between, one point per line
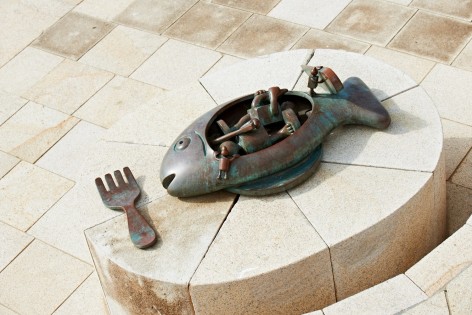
69 69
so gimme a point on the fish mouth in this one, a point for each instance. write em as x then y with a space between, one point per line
167 180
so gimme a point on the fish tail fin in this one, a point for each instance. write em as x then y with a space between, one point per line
365 108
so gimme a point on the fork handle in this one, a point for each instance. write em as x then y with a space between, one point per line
141 233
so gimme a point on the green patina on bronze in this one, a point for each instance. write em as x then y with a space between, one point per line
269 141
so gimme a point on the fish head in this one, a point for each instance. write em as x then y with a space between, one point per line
184 169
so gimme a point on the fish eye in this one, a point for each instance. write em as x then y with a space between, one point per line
182 143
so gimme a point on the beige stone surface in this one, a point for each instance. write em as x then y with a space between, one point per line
459 293
382 221
26 69
389 297
464 59
433 36
435 305
443 263
6 311
45 126
415 124
376 22
417 68
7 162
246 77
316 39
443 98
154 16
318 312
22 22
13 242
120 97
384 80
403 2
173 65
460 9
195 27
63 225
459 206
317 14
261 7
155 124
68 86
267 259
123 50
28 192
102 9
89 297
73 35
457 142
224 62
9 104
463 174
267 35
136 281
66 157
43 275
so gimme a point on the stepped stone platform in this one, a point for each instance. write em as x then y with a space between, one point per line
375 207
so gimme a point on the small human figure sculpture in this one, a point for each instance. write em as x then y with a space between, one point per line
225 157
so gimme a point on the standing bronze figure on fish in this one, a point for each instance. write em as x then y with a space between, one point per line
269 141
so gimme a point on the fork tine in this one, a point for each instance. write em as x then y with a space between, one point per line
119 178
110 182
130 176
100 186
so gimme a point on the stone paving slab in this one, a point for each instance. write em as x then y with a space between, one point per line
459 293
105 10
26 202
89 294
316 14
257 266
435 305
10 104
452 79
7 162
389 297
367 21
123 50
68 86
66 157
195 26
445 262
13 242
26 69
415 124
417 68
420 37
160 123
22 22
173 65
359 259
118 98
44 276
73 35
45 127
316 39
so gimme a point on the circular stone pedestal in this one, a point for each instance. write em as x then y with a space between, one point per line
374 208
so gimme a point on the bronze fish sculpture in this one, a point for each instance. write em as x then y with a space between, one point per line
266 142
